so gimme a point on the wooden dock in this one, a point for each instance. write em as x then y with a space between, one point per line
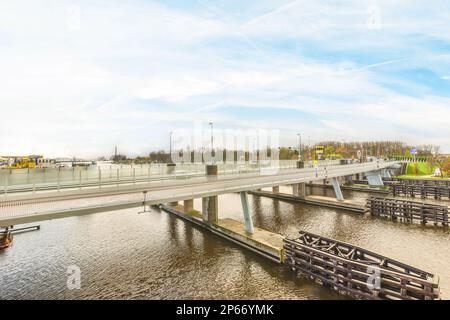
261 242
408 211
357 272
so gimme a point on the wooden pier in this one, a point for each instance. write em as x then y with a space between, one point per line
357 272
408 211
262 242
424 190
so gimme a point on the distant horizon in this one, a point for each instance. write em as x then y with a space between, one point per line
147 153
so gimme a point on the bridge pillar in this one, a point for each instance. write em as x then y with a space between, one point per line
385 173
374 178
299 190
349 180
210 205
247 215
173 203
210 209
276 189
188 205
337 189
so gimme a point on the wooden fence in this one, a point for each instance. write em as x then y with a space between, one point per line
422 190
408 211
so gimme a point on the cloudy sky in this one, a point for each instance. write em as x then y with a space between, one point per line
79 77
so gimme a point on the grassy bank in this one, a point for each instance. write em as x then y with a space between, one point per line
422 171
419 169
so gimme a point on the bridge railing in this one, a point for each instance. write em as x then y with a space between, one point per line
58 178
35 205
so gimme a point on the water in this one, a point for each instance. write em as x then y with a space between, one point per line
125 255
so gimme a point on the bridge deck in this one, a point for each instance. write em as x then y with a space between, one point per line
33 207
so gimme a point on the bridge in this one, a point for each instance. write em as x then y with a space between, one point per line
34 206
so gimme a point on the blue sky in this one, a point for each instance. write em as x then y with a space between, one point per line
79 77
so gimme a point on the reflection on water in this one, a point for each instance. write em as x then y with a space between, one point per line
124 255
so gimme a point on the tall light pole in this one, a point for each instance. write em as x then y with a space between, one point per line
170 147
300 147
212 137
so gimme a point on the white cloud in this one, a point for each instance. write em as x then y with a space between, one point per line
137 69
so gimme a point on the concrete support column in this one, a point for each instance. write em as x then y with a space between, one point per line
210 209
295 190
276 189
247 215
210 205
188 205
349 180
299 190
337 189
374 178
385 173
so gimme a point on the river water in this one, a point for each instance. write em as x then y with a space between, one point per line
126 255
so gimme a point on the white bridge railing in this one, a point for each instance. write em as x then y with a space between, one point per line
32 180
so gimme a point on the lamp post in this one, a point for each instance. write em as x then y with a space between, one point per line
170 147
300 157
212 138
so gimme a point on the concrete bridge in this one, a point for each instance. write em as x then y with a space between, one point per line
30 207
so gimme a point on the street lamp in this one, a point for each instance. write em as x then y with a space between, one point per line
300 157
170 147
212 136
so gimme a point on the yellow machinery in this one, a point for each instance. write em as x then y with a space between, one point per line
23 163
319 152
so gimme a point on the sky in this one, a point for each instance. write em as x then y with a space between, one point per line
80 77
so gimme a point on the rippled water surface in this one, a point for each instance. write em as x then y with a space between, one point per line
125 255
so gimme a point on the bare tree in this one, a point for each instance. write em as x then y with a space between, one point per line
437 159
